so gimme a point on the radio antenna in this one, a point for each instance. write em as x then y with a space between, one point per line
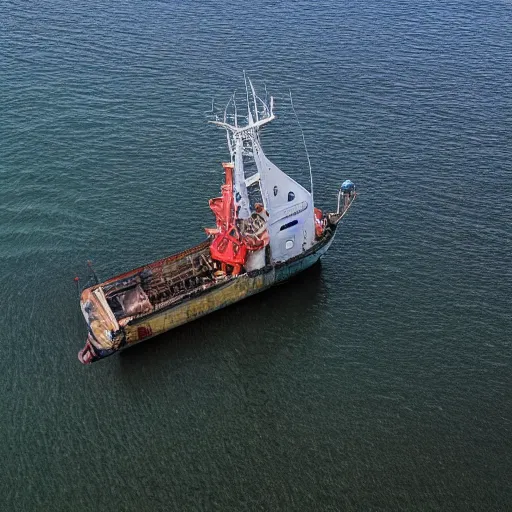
305 147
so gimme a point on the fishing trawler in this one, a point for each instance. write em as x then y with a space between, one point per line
267 230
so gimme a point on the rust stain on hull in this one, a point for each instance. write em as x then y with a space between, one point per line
229 293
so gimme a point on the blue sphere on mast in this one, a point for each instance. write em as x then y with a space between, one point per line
347 186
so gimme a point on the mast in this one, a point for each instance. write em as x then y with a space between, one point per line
289 205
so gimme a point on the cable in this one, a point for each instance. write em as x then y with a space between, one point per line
305 147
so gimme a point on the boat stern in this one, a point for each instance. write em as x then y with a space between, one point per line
91 353
104 334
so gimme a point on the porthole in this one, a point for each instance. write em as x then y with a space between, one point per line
289 225
289 244
291 196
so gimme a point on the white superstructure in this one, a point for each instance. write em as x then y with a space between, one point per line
289 205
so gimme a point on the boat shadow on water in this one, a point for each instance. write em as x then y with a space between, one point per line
255 324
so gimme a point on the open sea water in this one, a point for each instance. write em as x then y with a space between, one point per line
380 380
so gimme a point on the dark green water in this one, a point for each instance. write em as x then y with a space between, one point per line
380 381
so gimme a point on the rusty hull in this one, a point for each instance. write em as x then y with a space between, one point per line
223 293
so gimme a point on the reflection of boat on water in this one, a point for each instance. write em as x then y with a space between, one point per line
267 230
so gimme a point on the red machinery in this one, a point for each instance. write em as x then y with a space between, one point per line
228 246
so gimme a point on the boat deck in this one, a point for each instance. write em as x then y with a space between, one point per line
161 283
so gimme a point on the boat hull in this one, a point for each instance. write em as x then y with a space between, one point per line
222 295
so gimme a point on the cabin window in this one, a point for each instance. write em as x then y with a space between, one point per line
288 225
238 197
291 196
289 244
276 190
